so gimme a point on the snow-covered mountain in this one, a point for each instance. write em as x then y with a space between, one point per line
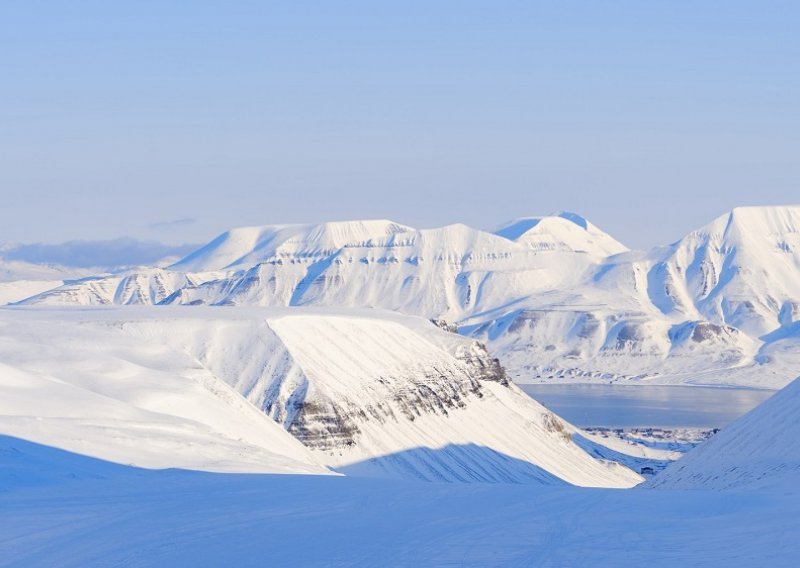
715 307
444 273
761 449
225 389
554 298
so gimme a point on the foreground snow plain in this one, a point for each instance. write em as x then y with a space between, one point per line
86 512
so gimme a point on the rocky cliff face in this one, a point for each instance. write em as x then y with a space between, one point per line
332 424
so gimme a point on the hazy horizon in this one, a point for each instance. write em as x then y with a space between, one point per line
164 123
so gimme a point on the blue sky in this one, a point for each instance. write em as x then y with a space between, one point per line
176 120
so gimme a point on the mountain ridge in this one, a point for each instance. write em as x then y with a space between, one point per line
553 297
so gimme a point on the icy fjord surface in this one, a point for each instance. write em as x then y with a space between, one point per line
234 389
555 298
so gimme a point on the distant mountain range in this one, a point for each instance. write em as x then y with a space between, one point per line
555 298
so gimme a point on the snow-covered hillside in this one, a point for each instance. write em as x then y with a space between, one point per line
367 393
760 450
554 298
73 382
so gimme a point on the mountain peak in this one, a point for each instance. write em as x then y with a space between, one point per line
561 231
763 219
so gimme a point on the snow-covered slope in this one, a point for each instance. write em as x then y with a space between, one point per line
72 382
761 449
554 298
368 393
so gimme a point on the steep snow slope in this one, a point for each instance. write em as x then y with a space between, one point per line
69 383
740 270
382 394
761 449
564 337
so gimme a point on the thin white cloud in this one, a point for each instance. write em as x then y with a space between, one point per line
172 224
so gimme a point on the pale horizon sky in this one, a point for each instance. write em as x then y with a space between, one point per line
174 121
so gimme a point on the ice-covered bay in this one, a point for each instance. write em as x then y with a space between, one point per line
636 406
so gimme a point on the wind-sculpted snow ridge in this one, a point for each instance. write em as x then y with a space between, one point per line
367 393
554 298
759 450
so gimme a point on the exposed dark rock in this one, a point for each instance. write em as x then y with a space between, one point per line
330 424
445 325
